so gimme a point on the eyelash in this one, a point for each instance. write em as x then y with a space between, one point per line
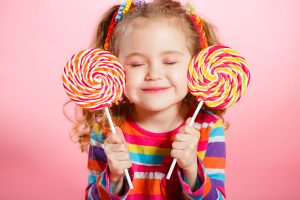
171 63
137 65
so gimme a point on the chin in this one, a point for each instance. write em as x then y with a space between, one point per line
156 107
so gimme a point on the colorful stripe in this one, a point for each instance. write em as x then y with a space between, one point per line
150 156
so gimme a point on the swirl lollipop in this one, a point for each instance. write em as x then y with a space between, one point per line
95 79
218 76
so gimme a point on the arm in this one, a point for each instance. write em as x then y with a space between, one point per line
99 184
211 166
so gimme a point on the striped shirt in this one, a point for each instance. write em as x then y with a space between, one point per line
150 156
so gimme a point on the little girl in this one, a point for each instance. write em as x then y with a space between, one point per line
155 43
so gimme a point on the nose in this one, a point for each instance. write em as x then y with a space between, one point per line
154 73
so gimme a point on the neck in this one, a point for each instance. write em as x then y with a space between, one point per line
160 121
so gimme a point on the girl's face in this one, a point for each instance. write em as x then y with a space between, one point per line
156 59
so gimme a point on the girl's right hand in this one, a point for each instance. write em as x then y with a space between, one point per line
117 154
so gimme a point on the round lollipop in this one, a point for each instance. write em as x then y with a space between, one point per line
218 76
95 79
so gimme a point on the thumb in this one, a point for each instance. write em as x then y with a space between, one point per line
186 125
120 134
187 121
115 138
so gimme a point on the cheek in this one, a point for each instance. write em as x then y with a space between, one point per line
132 83
179 80
132 78
179 76
129 83
128 90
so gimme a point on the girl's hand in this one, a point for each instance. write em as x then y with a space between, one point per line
184 148
117 153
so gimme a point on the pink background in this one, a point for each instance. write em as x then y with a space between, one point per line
38 160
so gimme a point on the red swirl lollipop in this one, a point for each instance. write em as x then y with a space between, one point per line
94 79
218 76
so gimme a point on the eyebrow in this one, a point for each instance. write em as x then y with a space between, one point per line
163 53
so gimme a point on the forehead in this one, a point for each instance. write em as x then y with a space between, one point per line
153 37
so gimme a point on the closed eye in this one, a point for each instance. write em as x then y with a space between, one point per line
171 63
136 65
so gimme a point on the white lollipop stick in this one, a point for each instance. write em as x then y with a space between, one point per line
190 124
114 132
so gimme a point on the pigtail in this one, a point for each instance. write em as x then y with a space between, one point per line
103 27
210 32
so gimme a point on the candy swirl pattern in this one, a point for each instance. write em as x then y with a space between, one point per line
219 76
94 79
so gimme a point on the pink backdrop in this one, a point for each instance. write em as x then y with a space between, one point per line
38 160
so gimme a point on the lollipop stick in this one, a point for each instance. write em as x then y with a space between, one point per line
114 132
190 124
111 124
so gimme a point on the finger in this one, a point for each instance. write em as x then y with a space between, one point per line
119 132
119 147
114 139
125 164
182 137
120 166
180 145
121 156
188 130
112 149
187 121
176 153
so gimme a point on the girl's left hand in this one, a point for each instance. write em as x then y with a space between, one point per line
184 147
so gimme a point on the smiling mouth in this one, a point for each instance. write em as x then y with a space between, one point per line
155 89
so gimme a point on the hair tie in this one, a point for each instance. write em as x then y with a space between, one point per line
128 5
118 15
198 23
120 12
139 2
110 31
